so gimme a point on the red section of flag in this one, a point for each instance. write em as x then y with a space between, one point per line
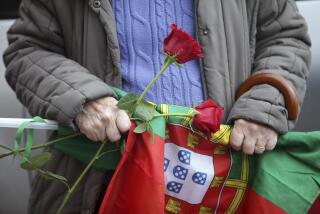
315 209
138 183
254 203
227 197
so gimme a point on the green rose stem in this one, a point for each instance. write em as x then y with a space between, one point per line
167 62
41 145
84 172
175 114
165 115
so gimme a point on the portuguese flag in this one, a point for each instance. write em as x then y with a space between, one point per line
182 171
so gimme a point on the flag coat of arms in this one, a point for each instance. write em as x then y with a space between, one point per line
192 166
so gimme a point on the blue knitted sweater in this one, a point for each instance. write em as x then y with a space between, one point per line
142 26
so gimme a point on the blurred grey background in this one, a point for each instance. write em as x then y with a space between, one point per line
15 183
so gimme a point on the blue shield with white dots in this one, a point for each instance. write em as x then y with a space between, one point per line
199 178
184 156
180 172
174 186
188 174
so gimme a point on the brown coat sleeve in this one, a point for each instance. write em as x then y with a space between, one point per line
45 81
283 48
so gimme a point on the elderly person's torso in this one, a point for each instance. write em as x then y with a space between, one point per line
64 54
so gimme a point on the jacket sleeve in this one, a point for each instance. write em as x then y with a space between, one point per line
283 48
45 81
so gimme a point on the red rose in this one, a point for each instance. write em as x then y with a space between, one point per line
181 45
208 119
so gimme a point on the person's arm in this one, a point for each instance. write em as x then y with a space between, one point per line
283 48
45 81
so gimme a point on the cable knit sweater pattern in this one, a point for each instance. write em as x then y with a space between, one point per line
142 26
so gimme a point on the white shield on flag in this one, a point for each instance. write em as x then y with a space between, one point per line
188 175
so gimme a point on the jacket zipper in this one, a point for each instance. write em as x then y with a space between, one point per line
203 76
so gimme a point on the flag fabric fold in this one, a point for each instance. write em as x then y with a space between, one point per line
137 185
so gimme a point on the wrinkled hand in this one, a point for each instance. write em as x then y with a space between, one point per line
252 137
102 120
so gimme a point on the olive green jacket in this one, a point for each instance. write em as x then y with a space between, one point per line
64 53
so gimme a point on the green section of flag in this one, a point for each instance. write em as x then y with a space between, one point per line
83 150
289 176
237 164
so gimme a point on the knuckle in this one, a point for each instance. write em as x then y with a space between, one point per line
106 116
105 119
